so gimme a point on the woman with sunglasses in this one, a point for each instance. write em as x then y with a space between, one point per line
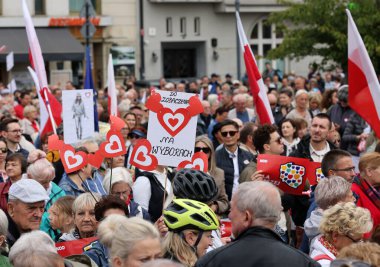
342 225
3 155
204 144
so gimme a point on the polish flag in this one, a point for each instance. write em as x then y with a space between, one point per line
256 84
112 97
364 87
38 64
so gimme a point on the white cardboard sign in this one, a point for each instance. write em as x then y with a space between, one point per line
173 143
10 61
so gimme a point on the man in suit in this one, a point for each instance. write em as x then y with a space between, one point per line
230 157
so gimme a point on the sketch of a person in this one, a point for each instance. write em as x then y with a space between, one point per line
78 112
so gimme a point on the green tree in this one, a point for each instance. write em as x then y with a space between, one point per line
319 28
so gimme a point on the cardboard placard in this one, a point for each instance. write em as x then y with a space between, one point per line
287 173
315 174
74 247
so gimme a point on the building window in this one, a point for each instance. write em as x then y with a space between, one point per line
169 26
182 26
39 7
76 6
197 26
264 38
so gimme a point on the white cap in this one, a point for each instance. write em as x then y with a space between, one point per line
28 191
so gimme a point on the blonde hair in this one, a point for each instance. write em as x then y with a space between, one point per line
28 109
367 252
176 245
40 169
369 160
345 219
119 234
3 229
85 200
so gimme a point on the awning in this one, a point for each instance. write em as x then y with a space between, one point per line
57 44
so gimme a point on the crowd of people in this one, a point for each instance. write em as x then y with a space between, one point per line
177 217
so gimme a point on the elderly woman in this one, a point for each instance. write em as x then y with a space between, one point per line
367 186
341 225
3 237
328 192
301 110
28 124
84 217
203 143
130 242
41 170
121 185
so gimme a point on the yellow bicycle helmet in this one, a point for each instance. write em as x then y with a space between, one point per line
184 214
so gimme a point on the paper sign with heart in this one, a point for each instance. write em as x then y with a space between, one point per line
116 123
114 146
199 162
54 143
95 159
173 122
71 160
141 156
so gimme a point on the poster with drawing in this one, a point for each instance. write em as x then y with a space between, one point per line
172 125
78 115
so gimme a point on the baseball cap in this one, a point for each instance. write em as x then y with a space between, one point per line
28 191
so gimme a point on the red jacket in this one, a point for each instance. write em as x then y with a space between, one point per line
365 202
4 189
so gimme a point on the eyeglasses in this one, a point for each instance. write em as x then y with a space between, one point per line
349 169
231 133
4 150
348 263
203 149
278 140
353 240
16 131
133 135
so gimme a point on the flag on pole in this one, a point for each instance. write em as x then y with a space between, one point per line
112 98
363 85
39 67
256 84
89 84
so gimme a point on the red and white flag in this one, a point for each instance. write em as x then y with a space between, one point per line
256 84
53 107
112 97
363 85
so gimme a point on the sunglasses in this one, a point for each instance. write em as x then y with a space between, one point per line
231 133
203 149
4 150
133 135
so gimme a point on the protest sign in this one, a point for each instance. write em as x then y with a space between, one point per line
225 228
74 247
315 174
172 126
287 173
10 61
78 115
199 161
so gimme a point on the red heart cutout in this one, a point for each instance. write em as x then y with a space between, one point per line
114 145
72 161
116 123
195 106
153 102
141 156
173 122
95 159
54 143
199 161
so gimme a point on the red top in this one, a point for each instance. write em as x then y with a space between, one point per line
365 202
4 189
19 110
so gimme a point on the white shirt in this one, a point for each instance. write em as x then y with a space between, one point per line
318 155
234 157
142 190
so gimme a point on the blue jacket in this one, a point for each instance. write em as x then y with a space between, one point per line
98 253
90 184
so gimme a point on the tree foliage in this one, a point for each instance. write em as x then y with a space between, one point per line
319 28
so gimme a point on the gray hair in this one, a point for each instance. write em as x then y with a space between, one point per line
85 200
28 109
119 234
29 244
3 229
37 258
119 174
161 263
262 199
330 191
